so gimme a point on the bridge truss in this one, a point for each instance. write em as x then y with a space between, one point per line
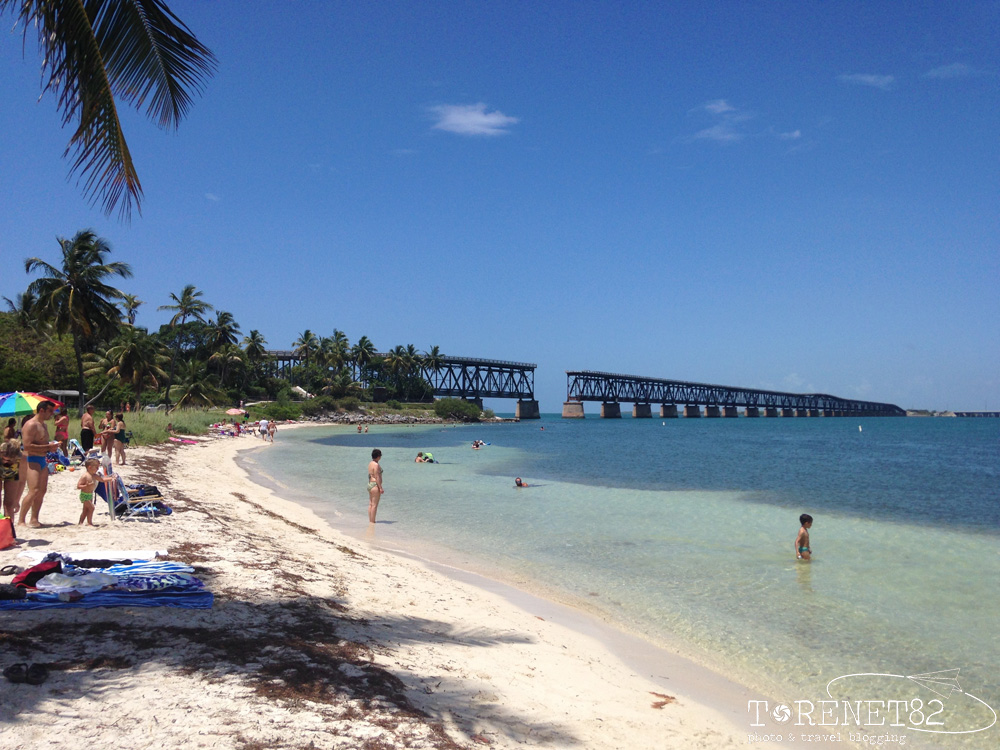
457 377
607 387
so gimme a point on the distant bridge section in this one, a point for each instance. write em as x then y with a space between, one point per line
456 377
718 400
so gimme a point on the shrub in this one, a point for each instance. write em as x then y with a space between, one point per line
349 404
149 428
394 405
319 405
281 411
456 408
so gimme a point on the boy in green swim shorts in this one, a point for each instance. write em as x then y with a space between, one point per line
87 486
802 551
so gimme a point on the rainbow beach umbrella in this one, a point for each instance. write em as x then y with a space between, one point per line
21 404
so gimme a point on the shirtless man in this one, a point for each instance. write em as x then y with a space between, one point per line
87 429
36 443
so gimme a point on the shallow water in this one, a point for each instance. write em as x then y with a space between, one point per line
684 530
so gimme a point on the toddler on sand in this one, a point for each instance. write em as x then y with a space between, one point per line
87 486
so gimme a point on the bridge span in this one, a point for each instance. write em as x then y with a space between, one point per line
454 377
719 400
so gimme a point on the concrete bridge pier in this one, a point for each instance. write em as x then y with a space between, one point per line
692 410
788 412
713 411
477 401
611 410
770 411
527 410
814 412
752 411
572 410
730 411
642 411
828 412
801 412
668 411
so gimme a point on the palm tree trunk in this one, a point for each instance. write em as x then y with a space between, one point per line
81 384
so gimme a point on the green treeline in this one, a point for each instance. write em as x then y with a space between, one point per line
73 329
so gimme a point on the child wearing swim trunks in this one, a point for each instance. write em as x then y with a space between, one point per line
87 486
802 551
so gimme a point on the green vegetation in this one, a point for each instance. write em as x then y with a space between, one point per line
149 428
456 408
71 330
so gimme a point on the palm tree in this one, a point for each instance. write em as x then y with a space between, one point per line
362 353
196 386
137 358
23 307
306 344
75 297
94 51
131 303
225 330
255 346
228 355
186 306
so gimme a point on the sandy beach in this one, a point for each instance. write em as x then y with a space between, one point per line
320 640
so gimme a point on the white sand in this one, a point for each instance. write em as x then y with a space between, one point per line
319 638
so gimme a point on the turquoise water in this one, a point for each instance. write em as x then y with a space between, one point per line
683 530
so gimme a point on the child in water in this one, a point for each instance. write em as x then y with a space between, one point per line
87 486
802 551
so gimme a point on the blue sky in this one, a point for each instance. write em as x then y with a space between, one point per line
796 196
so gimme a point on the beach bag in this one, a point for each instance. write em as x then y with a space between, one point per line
7 536
28 578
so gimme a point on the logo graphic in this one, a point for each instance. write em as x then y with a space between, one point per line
918 714
781 713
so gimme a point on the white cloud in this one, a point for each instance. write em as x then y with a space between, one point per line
955 70
718 107
212 196
471 119
724 132
731 124
868 79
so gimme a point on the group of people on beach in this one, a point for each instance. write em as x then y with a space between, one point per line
111 433
25 469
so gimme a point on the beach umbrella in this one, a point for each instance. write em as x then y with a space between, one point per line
234 411
21 404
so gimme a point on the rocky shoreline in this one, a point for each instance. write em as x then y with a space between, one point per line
361 418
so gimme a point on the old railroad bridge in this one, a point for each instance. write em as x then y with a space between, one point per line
456 377
719 400
475 379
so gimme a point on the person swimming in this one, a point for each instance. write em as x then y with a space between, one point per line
519 483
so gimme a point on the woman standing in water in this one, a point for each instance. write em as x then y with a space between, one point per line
375 490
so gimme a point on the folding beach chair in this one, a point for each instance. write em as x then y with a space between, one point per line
126 506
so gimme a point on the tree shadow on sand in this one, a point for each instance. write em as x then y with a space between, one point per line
290 652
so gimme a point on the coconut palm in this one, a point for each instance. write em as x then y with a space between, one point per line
229 357
23 307
75 298
131 303
306 344
224 331
94 51
196 386
187 305
137 358
362 354
255 346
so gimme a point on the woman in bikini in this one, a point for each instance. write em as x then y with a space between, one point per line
375 490
119 439
11 481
